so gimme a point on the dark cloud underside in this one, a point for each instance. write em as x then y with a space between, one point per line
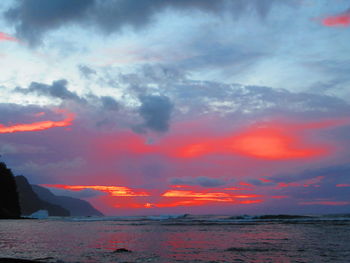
156 112
33 18
58 89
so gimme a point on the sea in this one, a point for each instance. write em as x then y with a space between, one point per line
179 238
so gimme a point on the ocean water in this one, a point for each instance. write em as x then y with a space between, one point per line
183 239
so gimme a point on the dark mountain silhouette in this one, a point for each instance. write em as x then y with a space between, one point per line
9 201
76 207
30 202
18 197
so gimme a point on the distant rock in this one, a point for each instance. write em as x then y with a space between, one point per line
282 217
9 201
41 214
168 217
250 249
31 203
122 250
16 260
75 206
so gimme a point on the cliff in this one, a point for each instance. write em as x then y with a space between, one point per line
18 197
76 207
30 201
9 202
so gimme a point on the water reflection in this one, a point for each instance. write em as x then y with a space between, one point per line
156 242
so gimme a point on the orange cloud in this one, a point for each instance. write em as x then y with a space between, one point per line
39 126
180 186
134 199
199 202
6 37
120 191
216 196
337 20
179 193
271 143
273 140
251 202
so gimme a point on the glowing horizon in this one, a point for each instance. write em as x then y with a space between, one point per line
199 106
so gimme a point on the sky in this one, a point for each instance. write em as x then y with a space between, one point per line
179 106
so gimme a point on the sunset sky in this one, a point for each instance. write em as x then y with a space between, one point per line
179 106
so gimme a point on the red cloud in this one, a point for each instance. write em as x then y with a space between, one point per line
337 20
39 126
264 180
204 198
272 141
199 202
313 182
135 199
279 196
180 193
275 140
6 37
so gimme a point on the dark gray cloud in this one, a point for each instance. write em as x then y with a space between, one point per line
334 173
159 73
196 98
338 72
33 18
200 180
86 71
58 89
109 103
15 113
156 112
326 190
164 77
112 15
257 182
230 58
15 149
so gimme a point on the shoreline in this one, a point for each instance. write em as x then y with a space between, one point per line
18 260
